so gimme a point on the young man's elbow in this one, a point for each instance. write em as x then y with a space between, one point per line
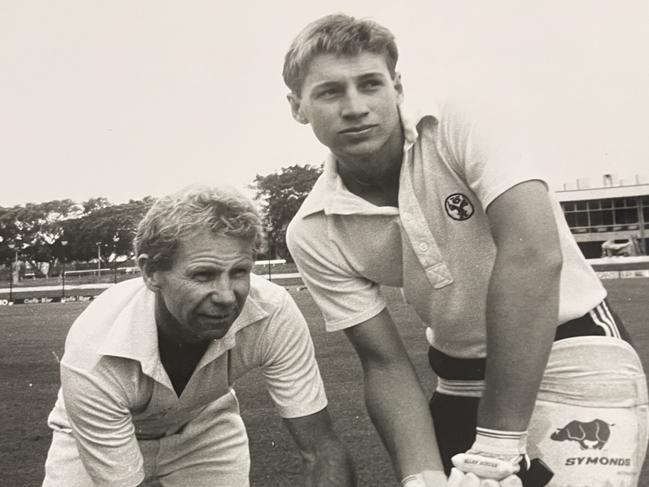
535 258
548 259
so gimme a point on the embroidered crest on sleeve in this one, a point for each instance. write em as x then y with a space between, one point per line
459 207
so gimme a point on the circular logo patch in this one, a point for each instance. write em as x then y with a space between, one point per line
459 207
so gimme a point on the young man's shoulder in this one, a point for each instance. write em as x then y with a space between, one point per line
310 220
315 201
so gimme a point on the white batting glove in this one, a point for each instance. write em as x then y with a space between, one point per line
427 478
493 458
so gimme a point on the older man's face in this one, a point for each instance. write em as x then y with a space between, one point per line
204 292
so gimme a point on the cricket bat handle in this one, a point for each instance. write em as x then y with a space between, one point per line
538 475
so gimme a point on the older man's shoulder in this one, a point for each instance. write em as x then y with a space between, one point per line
88 331
261 289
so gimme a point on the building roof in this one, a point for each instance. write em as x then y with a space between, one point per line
603 192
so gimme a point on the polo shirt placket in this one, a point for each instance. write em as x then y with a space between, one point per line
416 228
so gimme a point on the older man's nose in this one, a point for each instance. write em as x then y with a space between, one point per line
223 292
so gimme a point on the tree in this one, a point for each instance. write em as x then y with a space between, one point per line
112 227
35 230
281 194
94 204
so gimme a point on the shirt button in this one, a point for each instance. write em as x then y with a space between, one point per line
423 247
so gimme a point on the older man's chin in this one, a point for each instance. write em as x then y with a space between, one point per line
213 328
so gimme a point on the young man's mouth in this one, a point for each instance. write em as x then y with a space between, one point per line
357 130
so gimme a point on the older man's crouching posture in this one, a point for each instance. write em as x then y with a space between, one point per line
146 392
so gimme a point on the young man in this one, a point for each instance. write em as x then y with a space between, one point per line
448 206
146 392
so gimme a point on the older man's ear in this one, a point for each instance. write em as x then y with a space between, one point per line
151 279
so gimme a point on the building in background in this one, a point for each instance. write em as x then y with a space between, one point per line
612 219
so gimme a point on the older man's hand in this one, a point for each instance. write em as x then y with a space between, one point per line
427 478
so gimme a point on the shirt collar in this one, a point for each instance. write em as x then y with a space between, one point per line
329 194
134 334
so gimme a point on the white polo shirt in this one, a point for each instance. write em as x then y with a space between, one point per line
115 391
437 245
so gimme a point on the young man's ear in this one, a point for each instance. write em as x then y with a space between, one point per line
398 87
151 279
296 104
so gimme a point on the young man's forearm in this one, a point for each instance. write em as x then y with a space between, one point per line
399 410
522 313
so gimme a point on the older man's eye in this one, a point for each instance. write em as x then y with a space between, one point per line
241 271
202 276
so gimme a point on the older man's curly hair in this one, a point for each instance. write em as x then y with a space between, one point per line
223 211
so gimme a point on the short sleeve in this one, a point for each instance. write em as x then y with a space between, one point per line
102 427
344 297
288 363
492 150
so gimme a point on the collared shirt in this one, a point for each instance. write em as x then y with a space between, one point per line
437 245
115 390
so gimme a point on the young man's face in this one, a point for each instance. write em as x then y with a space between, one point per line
203 293
351 103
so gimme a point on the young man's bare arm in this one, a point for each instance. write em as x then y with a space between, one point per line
522 304
394 398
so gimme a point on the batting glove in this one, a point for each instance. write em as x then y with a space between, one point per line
494 458
427 478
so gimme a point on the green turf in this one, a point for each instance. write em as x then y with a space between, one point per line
33 337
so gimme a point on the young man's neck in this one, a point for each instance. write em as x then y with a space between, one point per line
374 178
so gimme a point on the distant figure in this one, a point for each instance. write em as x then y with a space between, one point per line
16 272
621 248
146 393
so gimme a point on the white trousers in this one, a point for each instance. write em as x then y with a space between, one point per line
211 450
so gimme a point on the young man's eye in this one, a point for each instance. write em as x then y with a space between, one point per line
328 93
371 83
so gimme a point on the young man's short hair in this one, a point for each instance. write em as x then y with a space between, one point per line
341 35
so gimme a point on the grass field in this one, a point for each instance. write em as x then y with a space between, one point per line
33 337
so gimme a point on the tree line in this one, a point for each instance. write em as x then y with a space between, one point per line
44 234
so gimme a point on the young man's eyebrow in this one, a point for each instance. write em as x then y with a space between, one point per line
376 74
327 84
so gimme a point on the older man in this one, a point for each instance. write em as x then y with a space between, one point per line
146 392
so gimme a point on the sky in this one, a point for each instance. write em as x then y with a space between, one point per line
124 99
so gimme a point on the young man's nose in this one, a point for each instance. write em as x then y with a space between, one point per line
354 105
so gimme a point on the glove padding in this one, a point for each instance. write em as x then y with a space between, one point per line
461 479
493 460
487 466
